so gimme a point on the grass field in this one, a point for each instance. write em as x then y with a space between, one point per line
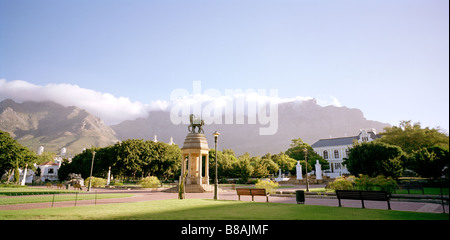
202 209
60 198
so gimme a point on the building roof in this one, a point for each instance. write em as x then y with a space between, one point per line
335 142
329 142
49 163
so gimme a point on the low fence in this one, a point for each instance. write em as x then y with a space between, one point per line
28 201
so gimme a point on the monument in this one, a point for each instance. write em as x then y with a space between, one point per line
318 171
195 159
299 171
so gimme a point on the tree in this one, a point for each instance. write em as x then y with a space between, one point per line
296 151
129 161
243 168
226 160
375 158
132 157
430 162
412 137
14 156
260 168
285 162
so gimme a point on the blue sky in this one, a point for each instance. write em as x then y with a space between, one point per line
388 58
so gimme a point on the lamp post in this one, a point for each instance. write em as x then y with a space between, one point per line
306 168
92 166
216 135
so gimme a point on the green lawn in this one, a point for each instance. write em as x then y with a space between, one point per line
17 191
60 198
202 209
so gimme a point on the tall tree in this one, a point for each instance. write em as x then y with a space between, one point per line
412 137
375 158
430 162
243 168
13 155
296 151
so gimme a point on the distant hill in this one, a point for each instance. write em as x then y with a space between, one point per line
53 126
306 120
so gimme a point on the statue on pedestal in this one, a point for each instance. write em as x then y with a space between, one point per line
195 123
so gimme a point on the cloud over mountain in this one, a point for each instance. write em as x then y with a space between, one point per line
113 110
104 105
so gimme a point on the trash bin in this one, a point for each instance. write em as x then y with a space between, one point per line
300 196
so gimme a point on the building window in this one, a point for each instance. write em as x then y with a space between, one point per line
336 154
325 154
337 166
50 170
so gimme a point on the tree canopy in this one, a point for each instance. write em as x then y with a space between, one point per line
375 158
296 151
14 156
132 157
412 137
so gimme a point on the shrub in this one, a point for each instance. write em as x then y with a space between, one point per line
364 182
96 182
342 183
150 182
266 184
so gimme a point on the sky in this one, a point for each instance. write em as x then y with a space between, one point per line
119 59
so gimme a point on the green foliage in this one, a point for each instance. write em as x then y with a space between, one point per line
342 183
375 158
296 152
430 162
269 185
364 182
96 182
243 168
226 160
412 137
150 182
133 157
13 155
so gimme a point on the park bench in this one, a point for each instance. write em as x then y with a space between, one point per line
252 192
363 195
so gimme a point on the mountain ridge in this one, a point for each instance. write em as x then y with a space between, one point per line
54 126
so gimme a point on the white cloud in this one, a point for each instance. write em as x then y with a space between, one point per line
109 108
113 110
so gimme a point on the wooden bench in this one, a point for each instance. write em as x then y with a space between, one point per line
252 192
363 195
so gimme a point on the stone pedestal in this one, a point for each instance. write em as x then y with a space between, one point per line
195 160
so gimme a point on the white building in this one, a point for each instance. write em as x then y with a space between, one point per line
49 170
334 150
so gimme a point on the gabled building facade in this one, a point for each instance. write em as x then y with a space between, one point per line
334 150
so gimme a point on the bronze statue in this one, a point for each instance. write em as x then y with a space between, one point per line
195 123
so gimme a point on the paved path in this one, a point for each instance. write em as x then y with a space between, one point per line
148 195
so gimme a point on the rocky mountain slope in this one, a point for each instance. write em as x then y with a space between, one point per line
53 126
306 120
